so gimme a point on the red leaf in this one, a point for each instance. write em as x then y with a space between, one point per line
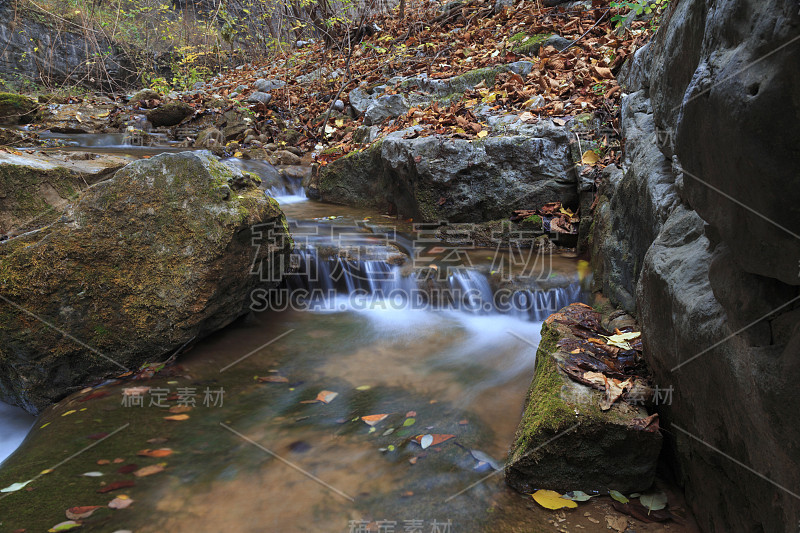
115 486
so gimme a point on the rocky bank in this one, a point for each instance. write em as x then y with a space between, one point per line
699 236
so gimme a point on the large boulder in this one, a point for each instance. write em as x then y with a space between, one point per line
36 188
170 114
161 254
699 236
438 178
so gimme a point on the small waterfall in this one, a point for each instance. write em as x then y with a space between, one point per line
330 282
284 187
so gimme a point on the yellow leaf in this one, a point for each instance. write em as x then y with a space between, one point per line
590 158
339 122
550 499
176 418
238 154
620 340
482 134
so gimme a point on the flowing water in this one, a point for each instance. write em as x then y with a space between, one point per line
431 348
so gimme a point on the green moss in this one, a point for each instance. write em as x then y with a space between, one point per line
17 109
545 411
534 221
528 45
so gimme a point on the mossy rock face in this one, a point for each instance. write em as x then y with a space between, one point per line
356 179
566 442
143 96
35 189
170 114
144 262
17 109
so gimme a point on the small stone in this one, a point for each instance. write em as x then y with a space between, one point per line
259 98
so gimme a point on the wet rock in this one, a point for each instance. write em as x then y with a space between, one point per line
285 157
209 139
12 137
35 189
159 255
17 109
437 178
567 439
170 114
81 117
259 98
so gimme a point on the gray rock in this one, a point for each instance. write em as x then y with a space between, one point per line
709 130
170 114
385 107
285 157
158 255
259 98
436 178
338 105
268 85
360 100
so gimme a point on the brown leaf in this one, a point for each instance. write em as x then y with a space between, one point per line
163 452
148 471
116 486
79 513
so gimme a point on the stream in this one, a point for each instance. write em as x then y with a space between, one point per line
264 455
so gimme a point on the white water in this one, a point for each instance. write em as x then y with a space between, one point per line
15 423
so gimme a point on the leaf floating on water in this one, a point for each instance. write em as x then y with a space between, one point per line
64 526
363 387
326 396
425 441
176 418
163 452
272 379
409 422
618 496
371 420
655 501
69 412
116 486
485 458
431 439
15 486
148 471
578 496
92 474
78 513
550 499
177 409
120 502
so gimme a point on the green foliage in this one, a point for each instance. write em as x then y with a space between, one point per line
637 8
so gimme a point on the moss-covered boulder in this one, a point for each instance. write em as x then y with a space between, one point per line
569 437
158 255
170 114
35 189
17 109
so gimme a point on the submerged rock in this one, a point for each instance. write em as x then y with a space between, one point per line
145 262
570 437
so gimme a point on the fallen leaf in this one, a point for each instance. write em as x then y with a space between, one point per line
78 513
618 496
163 452
92 474
371 420
590 158
15 486
180 409
272 379
103 462
177 418
64 526
127 469
116 486
431 439
326 396
578 496
481 134
69 412
409 422
654 501
550 499
120 502
148 471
